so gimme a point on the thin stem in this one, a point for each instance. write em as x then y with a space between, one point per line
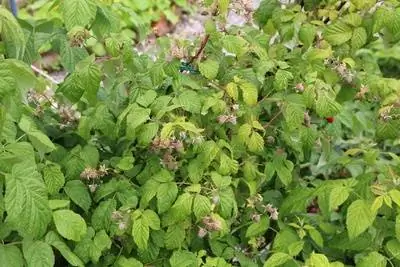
202 46
272 120
44 74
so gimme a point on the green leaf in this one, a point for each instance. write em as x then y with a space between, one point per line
338 33
84 81
359 38
223 6
54 240
395 196
183 259
277 259
12 35
39 140
232 90
317 237
393 246
38 254
10 256
234 44
175 236
79 194
282 78
130 262
101 218
53 178
255 143
317 260
70 56
284 169
78 12
69 224
55 204
105 22
136 117
201 206
307 34
249 92
326 106
338 196
147 98
294 115
372 259
152 219
258 228
397 227
141 233
26 201
147 132
359 218
209 68
166 195
190 101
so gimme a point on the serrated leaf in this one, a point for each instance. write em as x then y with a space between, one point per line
53 178
234 44
69 224
317 237
140 233
277 259
201 206
316 260
78 12
127 262
232 90
282 78
79 194
294 115
38 254
12 35
326 106
135 118
152 219
373 259
338 196
249 92
183 258
209 68
105 22
166 195
175 236
307 34
101 218
26 201
54 240
359 38
338 33
258 228
359 217
10 256
395 196
39 140
190 101
256 142
283 169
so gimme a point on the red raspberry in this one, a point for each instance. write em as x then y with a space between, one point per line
330 119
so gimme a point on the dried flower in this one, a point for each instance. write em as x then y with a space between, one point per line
256 217
93 187
273 212
299 88
202 232
212 224
89 174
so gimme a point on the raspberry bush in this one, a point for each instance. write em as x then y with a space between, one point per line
271 144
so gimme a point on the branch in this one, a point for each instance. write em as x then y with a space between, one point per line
272 120
44 74
202 46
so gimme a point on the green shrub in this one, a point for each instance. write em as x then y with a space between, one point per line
276 145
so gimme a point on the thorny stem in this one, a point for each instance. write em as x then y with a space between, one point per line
201 49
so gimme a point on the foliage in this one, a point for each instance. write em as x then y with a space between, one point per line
282 150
